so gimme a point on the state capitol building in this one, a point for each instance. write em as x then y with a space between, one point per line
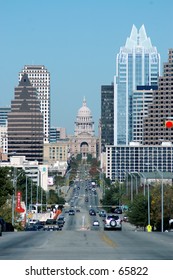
83 143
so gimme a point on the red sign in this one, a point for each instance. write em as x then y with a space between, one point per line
19 208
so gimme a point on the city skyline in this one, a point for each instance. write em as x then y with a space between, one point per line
77 42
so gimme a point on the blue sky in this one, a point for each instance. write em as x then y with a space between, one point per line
77 41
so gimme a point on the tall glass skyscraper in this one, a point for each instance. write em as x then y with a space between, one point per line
137 63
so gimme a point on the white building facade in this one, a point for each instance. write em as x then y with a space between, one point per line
122 160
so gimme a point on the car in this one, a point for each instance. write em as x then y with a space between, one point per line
31 228
125 218
33 221
92 212
71 212
112 222
117 210
51 225
102 214
77 210
3 224
96 223
61 221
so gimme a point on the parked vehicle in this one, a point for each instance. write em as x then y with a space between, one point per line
3 224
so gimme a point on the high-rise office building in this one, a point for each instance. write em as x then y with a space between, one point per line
161 108
57 133
3 128
107 116
40 79
141 98
137 63
25 123
4 115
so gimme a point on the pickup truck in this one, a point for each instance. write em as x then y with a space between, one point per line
51 225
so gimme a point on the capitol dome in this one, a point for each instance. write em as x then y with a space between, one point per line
84 122
84 110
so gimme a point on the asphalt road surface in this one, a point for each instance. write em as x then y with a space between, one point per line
80 240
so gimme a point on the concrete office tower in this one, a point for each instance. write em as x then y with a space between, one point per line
40 79
57 133
137 63
161 108
107 116
25 123
3 129
142 97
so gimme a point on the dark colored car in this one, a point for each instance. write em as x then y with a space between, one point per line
71 212
117 210
3 224
61 221
102 214
31 228
51 225
92 212
35 227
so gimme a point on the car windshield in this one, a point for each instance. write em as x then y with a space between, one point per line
113 217
50 221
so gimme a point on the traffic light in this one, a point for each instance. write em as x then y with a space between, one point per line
169 123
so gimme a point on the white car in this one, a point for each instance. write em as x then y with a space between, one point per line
112 222
33 221
96 223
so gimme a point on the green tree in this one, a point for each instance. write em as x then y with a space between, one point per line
155 211
6 186
138 211
110 198
53 198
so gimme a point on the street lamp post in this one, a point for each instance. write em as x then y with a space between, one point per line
148 187
162 208
162 201
131 186
142 175
136 179
26 194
